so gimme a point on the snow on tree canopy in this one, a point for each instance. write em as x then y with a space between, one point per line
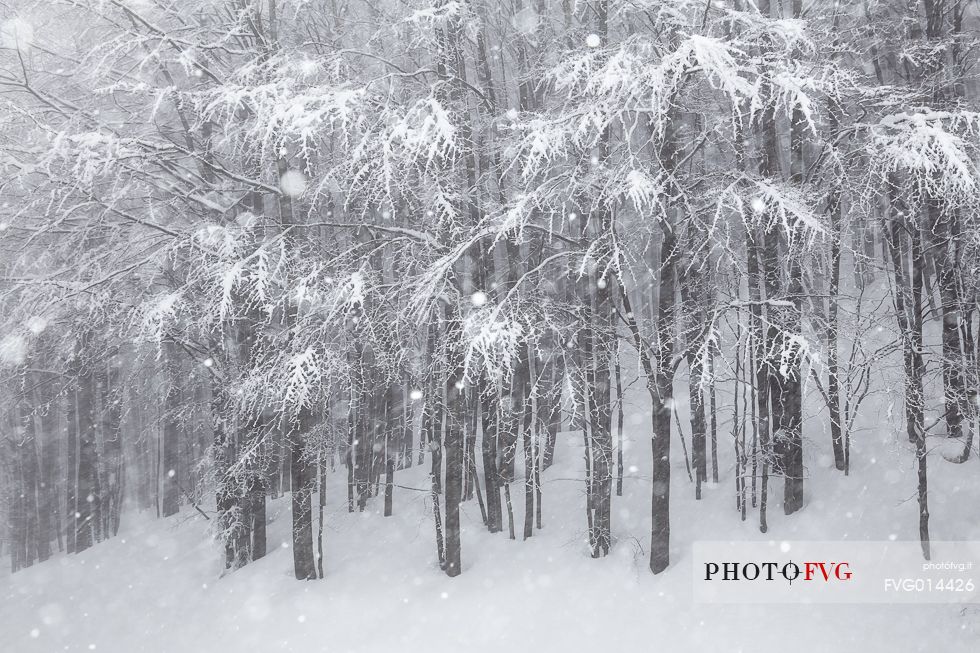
383 293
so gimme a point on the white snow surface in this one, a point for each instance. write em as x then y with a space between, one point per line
158 586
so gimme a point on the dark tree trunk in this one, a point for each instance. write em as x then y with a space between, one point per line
111 395
916 426
301 483
489 420
619 427
693 291
908 310
455 417
713 411
321 503
389 485
660 386
87 489
833 314
171 431
528 428
946 230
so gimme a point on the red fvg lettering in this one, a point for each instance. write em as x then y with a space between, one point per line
826 570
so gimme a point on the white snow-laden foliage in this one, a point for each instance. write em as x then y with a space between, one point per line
222 240
642 190
353 291
635 80
426 133
302 374
492 343
437 15
288 101
93 154
938 149
773 206
795 88
159 315
13 350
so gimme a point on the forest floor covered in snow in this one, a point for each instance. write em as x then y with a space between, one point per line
158 587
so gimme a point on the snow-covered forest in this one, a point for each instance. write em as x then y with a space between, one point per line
622 273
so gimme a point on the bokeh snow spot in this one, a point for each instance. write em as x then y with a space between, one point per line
37 324
293 183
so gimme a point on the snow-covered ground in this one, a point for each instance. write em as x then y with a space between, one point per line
158 586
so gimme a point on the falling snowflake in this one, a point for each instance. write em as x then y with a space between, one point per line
37 324
293 183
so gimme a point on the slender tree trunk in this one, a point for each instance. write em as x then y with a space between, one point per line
303 563
71 483
488 445
47 493
713 410
455 416
389 485
908 310
87 489
619 427
833 325
171 430
527 429
321 504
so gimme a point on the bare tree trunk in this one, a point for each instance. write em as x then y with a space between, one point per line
389 485
303 564
527 429
660 387
321 504
455 416
761 416
171 430
908 310
693 290
87 486
489 420
46 436
619 426
792 409
71 464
